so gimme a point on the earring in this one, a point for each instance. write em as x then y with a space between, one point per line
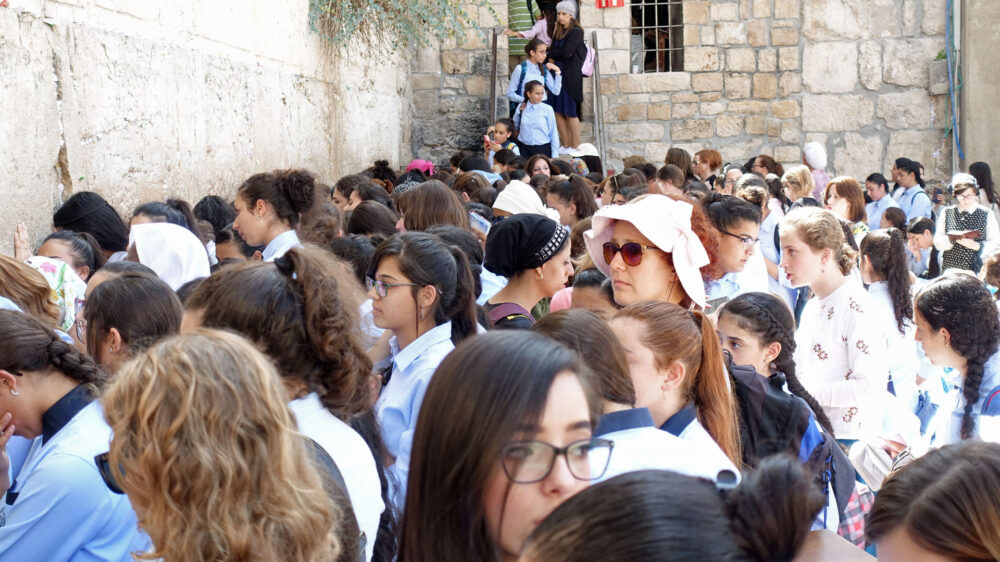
539 276
14 392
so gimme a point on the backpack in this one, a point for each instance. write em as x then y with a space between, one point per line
520 85
508 310
329 468
588 61
991 405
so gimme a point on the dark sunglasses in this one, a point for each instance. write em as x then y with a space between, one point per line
104 467
631 252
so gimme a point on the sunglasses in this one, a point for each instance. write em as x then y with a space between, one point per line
631 252
104 467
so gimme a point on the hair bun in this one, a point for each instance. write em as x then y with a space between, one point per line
285 265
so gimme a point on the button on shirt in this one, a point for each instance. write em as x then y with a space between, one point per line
60 508
536 125
399 403
911 202
281 244
875 210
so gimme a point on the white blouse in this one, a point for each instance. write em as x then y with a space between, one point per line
841 359
902 358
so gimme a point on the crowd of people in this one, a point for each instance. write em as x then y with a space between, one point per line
509 358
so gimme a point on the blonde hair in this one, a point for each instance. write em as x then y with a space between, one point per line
848 188
210 457
821 230
799 180
28 289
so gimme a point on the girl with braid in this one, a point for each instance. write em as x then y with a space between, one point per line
958 327
58 507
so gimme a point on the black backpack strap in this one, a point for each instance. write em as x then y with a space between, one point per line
329 467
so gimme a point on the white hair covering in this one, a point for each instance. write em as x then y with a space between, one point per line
519 197
815 155
172 251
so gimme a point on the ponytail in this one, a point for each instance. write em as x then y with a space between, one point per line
26 344
713 399
886 251
75 365
289 192
184 209
461 307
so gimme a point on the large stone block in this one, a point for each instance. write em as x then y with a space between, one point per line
904 61
455 62
741 60
748 107
836 112
870 64
706 82
926 147
830 67
911 109
765 85
712 107
784 36
722 10
860 156
756 125
767 60
696 12
791 132
635 112
731 33
934 17
737 86
789 83
788 58
786 9
788 155
757 34
728 125
659 112
635 132
761 8
683 110
786 109
699 59
828 20
654 82
690 129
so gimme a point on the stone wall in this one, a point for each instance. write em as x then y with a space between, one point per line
144 100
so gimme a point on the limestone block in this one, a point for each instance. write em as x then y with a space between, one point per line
692 35
836 112
654 82
659 98
827 20
861 155
614 61
748 107
455 62
911 109
737 86
786 109
767 60
784 35
477 86
425 81
765 85
935 12
882 18
788 154
788 9
706 81
696 12
659 112
707 34
731 33
910 22
724 11
690 129
870 64
701 58
632 112
683 110
773 127
788 58
609 85
925 147
761 8
741 60
656 151
728 125
621 39
637 98
426 101
757 33
756 125
710 96
605 39
617 18
712 107
791 132
830 67
789 83
685 97
904 61
428 59
635 132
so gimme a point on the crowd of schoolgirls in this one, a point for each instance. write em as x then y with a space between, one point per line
500 358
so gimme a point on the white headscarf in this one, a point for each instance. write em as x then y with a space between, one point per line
815 155
172 251
519 197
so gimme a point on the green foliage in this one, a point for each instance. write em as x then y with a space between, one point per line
385 26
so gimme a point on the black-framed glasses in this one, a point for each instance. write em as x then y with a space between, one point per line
104 467
631 252
382 288
525 462
747 241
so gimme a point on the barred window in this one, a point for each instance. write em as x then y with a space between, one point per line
657 43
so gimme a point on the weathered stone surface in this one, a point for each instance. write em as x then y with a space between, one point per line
722 11
684 97
904 61
926 147
784 35
707 34
477 86
859 156
741 60
767 60
836 112
785 109
911 109
756 125
786 9
635 132
731 33
738 150
790 132
455 62
696 12
683 110
706 82
830 67
748 106
659 112
690 129
761 8
701 59
789 83
788 58
654 82
788 154
870 64
712 108
826 20
737 86
728 125
757 34
632 112
765 85
934 17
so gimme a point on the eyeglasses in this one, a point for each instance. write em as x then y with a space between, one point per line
966 196
696 163
382 288
104 467
631 252
730 182
747 241
525 462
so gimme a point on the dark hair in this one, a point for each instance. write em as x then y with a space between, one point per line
370 218
886 251
667 516
302 311
229 236
772 166
382 172
374 192
431 203
413 175
290 192
575 191
671 173
768 318
563 167
119 268
533 45
961 304
896 217
909 166
530 86
143 309
467 242
590 337
355 249
347 184
475 162
848 188
471 183
85 249
185 290
945 500
215 210
504 156
508 123
680 158
649 170
426 259
27 344
457 158
479 398
89 212
532 160
726 211
920 225
984 177
322 223
878 179
174 211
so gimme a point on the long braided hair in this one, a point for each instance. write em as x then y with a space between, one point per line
961 304
768 318
28 344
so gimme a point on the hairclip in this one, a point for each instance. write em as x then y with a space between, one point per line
726 481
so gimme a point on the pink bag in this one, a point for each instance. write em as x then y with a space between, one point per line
588 62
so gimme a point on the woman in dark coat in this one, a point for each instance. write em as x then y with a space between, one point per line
568 51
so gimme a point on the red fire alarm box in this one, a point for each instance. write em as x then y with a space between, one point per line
610 3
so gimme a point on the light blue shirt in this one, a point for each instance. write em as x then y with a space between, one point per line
875 209
536 125
727 286
399 404
552 81
64 510
492 283
991 379
925 261
912 203
281 244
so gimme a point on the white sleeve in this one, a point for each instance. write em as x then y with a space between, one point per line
992 234
941 241
866 359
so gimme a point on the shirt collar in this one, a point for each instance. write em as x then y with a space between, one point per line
679 421
280 244
634 418
59 414
402 358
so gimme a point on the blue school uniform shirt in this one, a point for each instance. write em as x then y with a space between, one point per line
875 209
552 81
914 202
281 244
536 125
991 379
399 403
59 508
685 424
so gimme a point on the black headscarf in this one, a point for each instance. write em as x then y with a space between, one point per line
523 241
